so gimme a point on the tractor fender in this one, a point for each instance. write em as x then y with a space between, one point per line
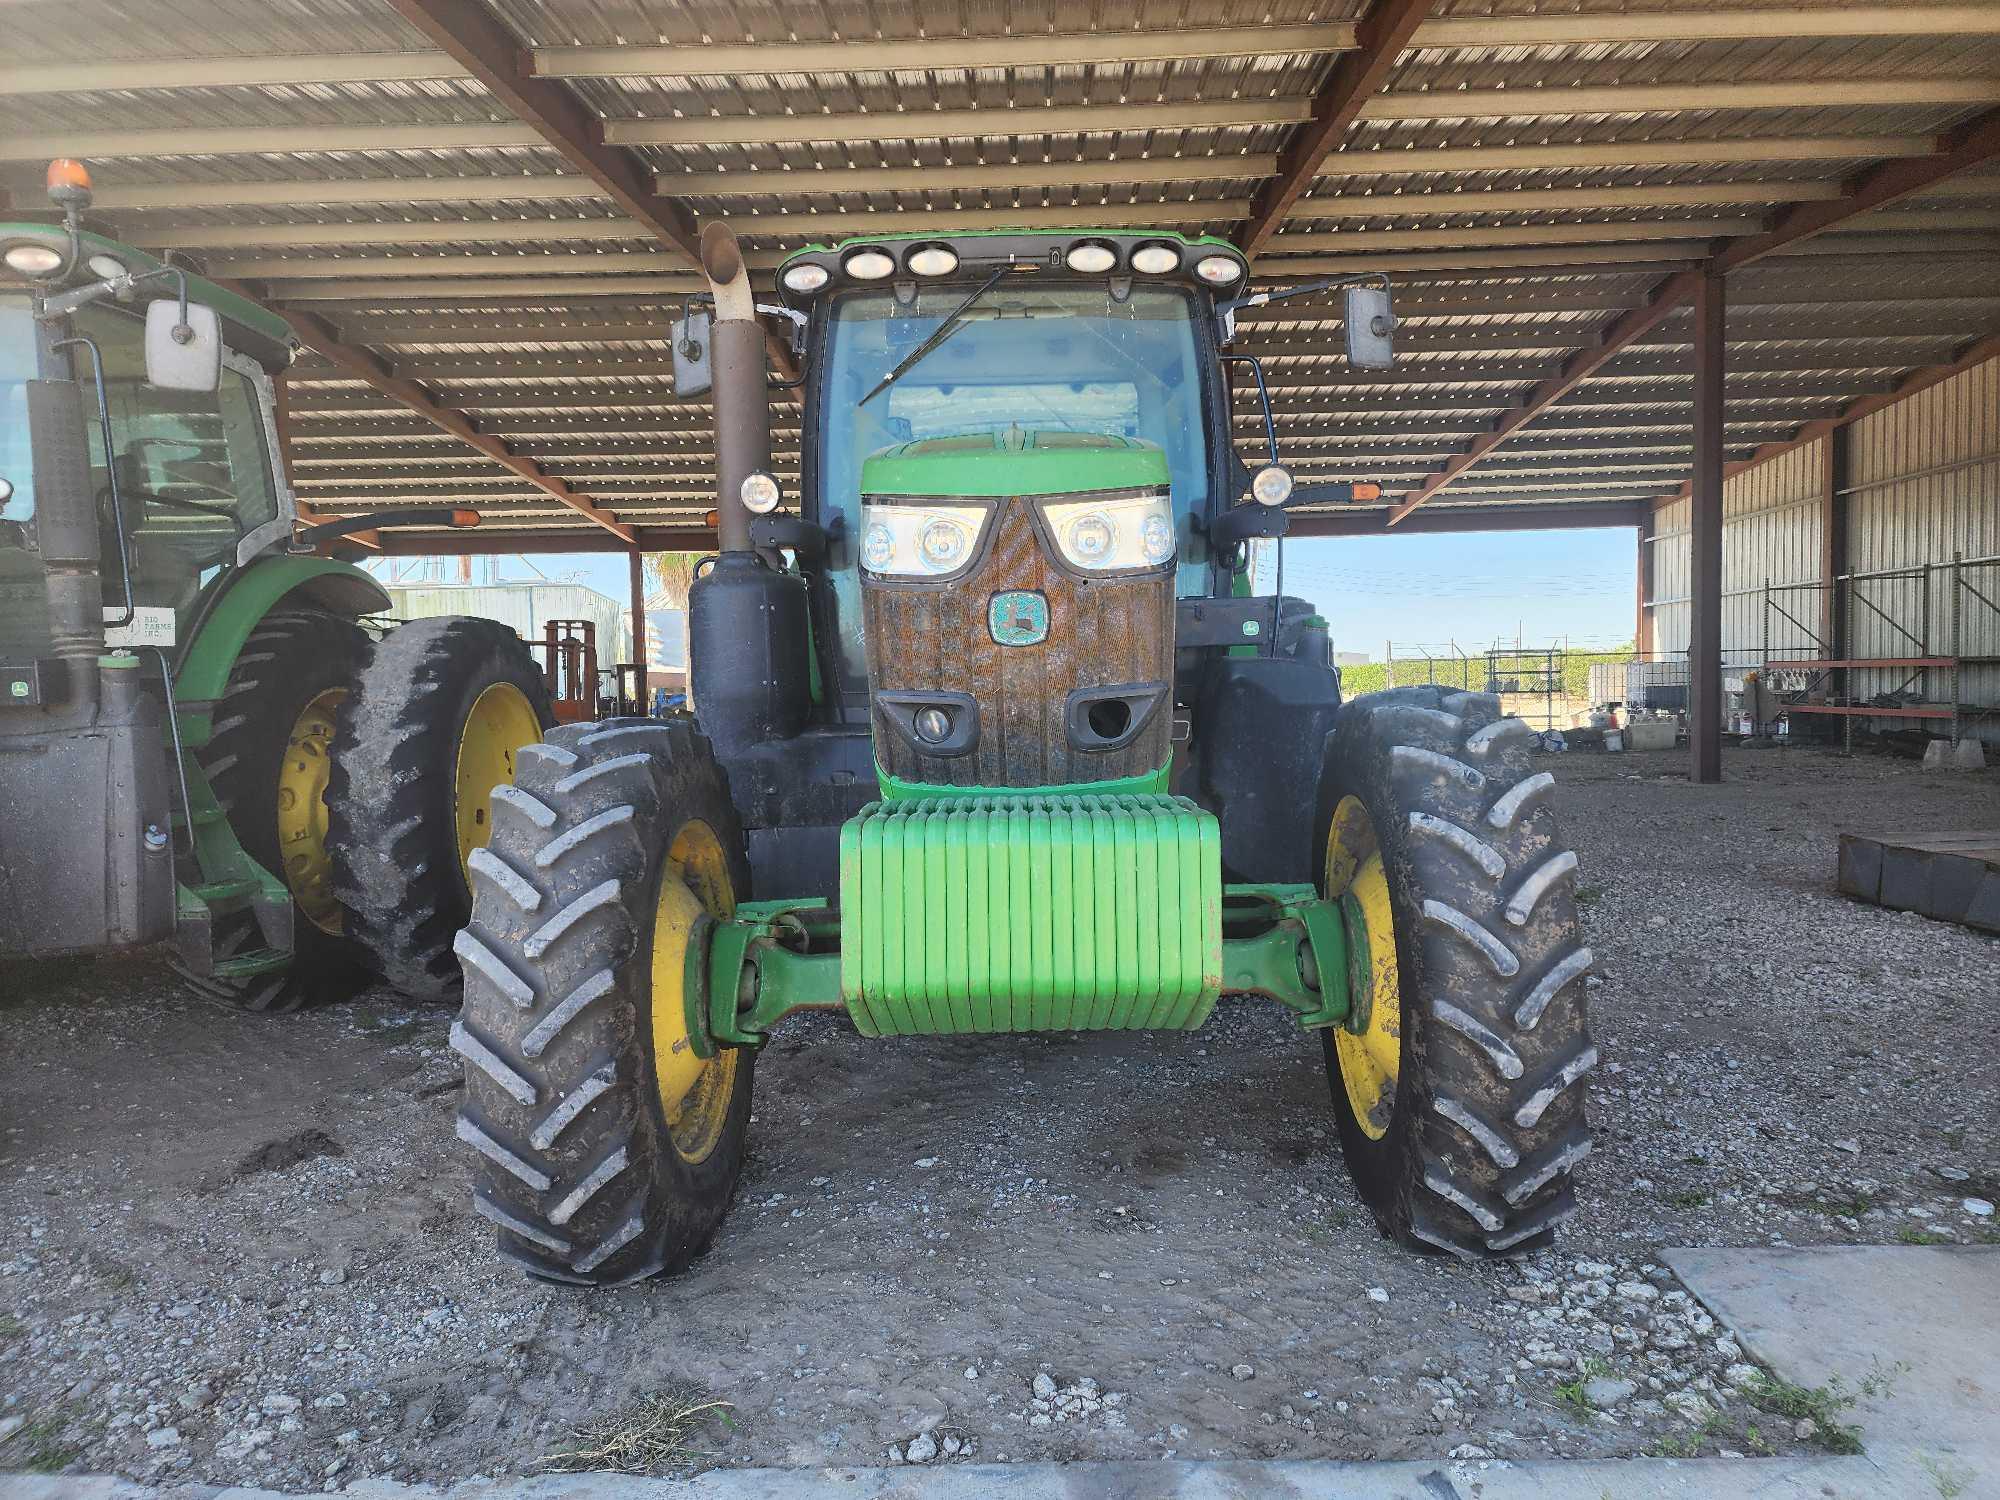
221 630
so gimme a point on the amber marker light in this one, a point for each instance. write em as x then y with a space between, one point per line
66 174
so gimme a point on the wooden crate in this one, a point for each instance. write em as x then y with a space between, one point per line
1954 877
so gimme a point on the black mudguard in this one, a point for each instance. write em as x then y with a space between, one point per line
1260 726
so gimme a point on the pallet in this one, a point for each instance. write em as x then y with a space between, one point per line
1954 877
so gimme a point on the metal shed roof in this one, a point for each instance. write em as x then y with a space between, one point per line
477 214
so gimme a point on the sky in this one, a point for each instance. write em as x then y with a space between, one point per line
1421 592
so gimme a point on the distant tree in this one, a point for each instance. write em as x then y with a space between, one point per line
670 573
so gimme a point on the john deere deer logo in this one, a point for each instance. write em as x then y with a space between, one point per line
1018 617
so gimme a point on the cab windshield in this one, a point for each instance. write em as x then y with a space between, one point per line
193 467
1027 355
17 368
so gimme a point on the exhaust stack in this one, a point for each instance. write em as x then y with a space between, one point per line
749 666
742 410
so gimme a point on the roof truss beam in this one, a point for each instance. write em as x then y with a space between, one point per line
949 54
543 187
361 365
1972 356
470 32
1967 147
1384 31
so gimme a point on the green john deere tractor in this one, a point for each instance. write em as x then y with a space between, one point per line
203 739
990 735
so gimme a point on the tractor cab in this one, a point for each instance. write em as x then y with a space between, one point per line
1058 358
1021 555
182 466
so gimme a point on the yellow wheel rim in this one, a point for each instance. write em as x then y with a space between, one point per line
1371 1059
302 856
501 722
695 1091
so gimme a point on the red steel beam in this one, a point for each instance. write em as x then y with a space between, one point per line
491 53
1969 145
281 420
640 656
1454 518
1705 538
360 364
402 543
1972 144
1918 380
1574 370
1379 40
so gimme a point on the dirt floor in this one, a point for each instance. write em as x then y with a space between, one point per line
240 1249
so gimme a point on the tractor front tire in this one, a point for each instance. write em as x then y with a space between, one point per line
433 725
1459 1098
615 844
268 763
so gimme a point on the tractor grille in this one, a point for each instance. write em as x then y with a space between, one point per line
1102 632
1040 913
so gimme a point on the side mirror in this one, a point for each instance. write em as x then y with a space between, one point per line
1370 323
183 356
693 375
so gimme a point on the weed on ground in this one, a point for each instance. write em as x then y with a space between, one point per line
656 1434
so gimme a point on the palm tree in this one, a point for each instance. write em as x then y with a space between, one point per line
669 574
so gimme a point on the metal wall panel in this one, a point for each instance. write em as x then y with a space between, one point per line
1926 488
1770 533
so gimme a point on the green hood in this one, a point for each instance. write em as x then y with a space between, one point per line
1015 462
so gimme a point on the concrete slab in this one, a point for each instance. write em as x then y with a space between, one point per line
1924 1315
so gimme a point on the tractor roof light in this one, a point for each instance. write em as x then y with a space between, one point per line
1272 485
1219 270
1091 258
806 276
32 259
68 183
1156 260
932 260
869 265
760 493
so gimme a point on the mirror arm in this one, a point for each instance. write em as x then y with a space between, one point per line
1306 289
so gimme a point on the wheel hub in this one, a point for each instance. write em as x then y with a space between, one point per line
695 1091
301 793
500 723
1370 1049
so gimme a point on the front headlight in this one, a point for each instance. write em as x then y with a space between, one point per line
920 541
1113 533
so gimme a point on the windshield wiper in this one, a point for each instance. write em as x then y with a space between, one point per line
939 334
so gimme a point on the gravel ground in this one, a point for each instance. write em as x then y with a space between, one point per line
236 1249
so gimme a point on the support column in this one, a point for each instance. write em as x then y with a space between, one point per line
1642 587
639 628
1705 542
1833 543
